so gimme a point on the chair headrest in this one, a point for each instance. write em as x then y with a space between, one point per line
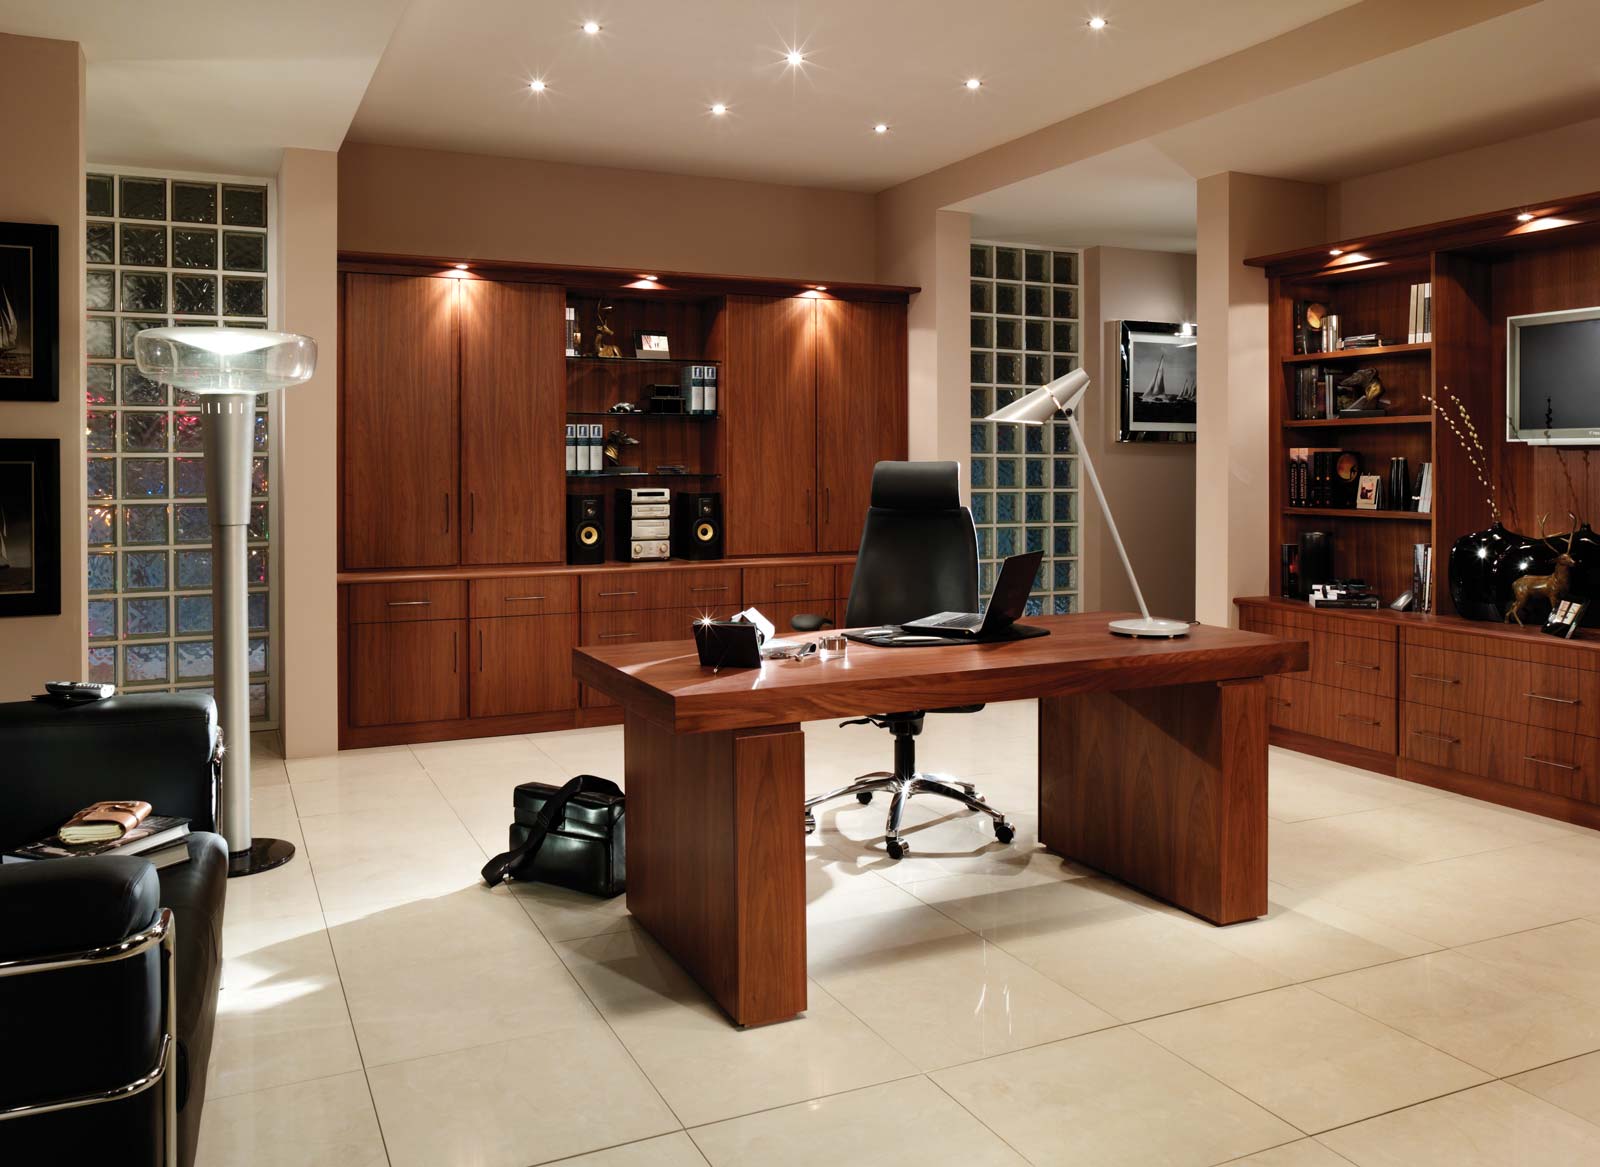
916 486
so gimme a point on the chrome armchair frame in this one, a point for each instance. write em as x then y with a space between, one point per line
164 1072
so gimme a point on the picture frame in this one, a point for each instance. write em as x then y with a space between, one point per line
30 291
1156 371
652 346
1369 493
30 527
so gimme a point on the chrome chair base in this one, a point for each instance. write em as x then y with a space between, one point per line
902 787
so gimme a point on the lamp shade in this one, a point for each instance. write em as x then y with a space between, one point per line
1045 402
225 360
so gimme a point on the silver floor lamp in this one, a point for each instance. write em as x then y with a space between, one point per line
1065 395
226 368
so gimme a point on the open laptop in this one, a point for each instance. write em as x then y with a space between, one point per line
1005 604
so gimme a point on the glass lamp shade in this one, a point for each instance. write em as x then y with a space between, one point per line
225 360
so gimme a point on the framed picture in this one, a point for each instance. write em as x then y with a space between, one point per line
651 346
1369 493
30 527
1156 365
29 300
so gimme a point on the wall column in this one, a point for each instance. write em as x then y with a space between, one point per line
307 485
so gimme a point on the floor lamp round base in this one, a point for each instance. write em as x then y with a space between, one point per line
261 855
1151 627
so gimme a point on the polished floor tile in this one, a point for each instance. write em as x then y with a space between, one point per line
1114 1099
1573 1085
665 1151
328 1122
1302 1153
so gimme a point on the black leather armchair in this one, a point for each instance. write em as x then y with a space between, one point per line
87 945
918 556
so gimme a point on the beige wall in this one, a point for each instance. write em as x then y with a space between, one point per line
1564 161
1239 215
308 244
427 202
1150 485
41 181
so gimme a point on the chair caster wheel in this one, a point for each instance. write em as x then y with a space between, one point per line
864 797
811 823
896 849
1004 831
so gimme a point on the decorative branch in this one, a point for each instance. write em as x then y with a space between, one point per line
1561 461
1471 444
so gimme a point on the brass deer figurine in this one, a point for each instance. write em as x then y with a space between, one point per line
1552 587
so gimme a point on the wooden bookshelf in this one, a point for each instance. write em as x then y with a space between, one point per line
1356 356
1349 513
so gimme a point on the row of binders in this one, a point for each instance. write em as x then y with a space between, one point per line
700 388
1314 397
586 446
1420 328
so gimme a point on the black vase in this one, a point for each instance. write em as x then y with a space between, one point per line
1523 556
1585 584
1472 571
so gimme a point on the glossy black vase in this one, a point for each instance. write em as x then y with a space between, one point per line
1586 571
1473 588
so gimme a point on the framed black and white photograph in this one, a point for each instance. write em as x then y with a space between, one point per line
28 304
30 527
1157 367
651 346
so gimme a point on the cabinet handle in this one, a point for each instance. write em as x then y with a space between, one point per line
1355 664
603 594
827 503
472 511
1280 701
1436 737
455 651
409 603
1550 762
1438 680
447 512
480 650
1554 700
513 599
708 588
617 635
1358 719
801 584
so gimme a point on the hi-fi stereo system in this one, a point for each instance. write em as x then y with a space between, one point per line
586 528
644 523
649 524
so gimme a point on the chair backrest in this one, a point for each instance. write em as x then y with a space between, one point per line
919 552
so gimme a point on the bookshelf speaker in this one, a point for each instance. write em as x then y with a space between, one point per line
586 528
697 531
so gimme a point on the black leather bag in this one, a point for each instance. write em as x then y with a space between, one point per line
571 836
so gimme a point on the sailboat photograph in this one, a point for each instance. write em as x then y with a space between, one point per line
29 291
1158 374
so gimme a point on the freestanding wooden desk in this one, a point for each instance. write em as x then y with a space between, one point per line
1152 768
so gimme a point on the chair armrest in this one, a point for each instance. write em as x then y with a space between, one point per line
809 622
159 747
58 906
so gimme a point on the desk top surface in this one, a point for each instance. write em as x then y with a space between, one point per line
666 683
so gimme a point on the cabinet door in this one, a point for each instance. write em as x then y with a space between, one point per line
513 394
861 411
408 671
398 422
523 664
769 407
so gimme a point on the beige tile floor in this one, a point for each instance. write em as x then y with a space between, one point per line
1425 989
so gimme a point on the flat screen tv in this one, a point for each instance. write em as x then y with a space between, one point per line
1553 378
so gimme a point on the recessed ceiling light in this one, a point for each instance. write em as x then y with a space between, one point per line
881 128
973 83
461 267
795 57
1097 22
537 85
1335 251
1525 217
591 27
719 109
652 278
819 287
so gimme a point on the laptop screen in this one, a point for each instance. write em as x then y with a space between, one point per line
1011 589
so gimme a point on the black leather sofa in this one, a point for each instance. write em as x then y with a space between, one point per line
82 1030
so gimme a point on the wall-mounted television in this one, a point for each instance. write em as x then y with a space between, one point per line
1553 378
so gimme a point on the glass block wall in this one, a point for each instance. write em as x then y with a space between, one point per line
1025 332
180 250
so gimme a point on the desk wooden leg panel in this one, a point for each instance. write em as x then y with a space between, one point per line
1165 789
716 859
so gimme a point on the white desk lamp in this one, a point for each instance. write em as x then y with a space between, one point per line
226 368
1065 395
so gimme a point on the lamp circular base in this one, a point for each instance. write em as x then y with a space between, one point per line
261 855
1151 627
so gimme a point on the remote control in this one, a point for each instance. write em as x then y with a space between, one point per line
79 690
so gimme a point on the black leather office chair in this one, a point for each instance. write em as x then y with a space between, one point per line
919 555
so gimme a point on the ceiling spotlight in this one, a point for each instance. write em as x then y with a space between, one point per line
819 287
1335 251
881 128
795 57
718 109
1097 22
537 85
650 278
1525 217
973 83
461 267
591 27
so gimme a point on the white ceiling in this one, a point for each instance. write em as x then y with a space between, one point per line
455 76
213 85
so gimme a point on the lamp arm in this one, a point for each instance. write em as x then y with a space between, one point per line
1105 509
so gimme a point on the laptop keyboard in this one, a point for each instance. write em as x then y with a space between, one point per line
951 620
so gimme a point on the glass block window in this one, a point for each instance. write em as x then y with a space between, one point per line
169 250
1025 333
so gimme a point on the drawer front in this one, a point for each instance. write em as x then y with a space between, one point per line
770 585
1454 739
628 591
1282 632
392 603
522 664
711 589
1548 760
407 671
1366 720
524 595
642 627
1353 662
1438 677
1551 697
1567 764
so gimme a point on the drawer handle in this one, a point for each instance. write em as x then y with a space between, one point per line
514 599
616 635
1280 701
1356 717
801 584
709 588
1436 679
1550 762
1355 664
1436 737
603 594
409 603
1553 700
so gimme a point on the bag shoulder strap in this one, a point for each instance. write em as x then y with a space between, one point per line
549 819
